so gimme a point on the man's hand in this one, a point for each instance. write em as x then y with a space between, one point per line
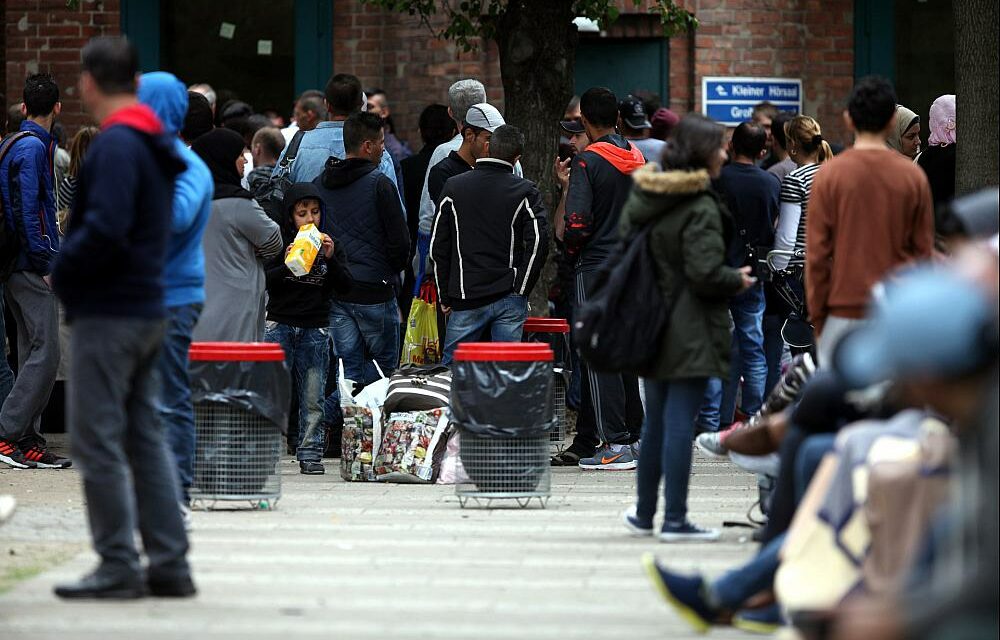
748 280
445 310
48 281
561 171
327 246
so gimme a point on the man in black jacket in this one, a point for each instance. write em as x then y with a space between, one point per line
367 219
488 245
600 181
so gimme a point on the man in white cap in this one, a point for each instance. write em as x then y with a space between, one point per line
481 120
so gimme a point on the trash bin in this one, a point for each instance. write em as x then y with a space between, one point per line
555 333
501 400
241 393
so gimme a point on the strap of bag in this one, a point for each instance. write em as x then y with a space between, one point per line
293 149
11 140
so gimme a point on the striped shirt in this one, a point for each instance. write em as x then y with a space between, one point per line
795 188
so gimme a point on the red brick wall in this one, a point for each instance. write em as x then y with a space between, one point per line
45 36
808 39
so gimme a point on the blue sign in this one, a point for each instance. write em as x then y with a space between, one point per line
730 101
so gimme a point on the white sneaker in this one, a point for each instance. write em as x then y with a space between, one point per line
631 523
710 444
7 506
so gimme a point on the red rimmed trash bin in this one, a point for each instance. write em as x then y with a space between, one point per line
501 400
555 333
241 394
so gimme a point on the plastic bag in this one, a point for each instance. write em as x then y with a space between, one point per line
413 446
260 388
503 399
362 426
452 470
422 343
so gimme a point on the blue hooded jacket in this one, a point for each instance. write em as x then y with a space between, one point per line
184 271
29 200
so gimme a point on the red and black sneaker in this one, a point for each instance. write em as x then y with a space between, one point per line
45 459
12 456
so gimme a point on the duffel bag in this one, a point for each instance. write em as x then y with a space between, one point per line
414 388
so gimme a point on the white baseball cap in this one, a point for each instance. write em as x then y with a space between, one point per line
484 116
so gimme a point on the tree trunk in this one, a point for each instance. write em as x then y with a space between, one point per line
537 44
977 88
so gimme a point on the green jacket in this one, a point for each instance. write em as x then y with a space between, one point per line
688 243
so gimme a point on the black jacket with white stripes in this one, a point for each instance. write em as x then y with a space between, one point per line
490 236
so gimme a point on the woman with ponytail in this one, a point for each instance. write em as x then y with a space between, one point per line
808 149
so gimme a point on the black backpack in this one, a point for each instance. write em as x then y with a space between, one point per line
618 329
9 244
273 198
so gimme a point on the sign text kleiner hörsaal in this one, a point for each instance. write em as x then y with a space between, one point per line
730 100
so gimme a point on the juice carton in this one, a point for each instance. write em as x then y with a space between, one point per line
305 247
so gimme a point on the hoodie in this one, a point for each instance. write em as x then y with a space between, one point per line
28 200
111 262
184 271
305 301
366 217
598 187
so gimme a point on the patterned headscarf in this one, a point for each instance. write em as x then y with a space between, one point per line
942 121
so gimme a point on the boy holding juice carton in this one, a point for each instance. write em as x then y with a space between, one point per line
300 288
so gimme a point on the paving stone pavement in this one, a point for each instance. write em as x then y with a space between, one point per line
390 561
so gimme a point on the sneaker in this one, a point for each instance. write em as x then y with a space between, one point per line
45 459
683 593
312 468
764 621
12 456
687 532
711 445
186 516
636 527
565 459
7 506
635 448
611 457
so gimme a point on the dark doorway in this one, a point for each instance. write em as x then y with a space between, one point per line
925 54
246 49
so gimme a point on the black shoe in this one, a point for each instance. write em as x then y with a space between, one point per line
45 459
103 587
566 459
172 588
312 468
12 456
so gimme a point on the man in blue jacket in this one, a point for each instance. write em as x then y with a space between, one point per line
109 276
184 274
30 213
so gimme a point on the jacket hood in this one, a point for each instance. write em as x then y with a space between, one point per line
668 189
138 117
624 160
167 97
300 191
339 173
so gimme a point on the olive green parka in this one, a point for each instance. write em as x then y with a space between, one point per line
688 243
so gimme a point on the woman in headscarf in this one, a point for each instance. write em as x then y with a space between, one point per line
905 136
938 159
238 240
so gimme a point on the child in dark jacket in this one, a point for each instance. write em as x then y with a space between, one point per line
298 311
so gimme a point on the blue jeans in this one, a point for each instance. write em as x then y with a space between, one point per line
174 404
307 354
774 349
671 409
366 332
6 375
504 318
739 585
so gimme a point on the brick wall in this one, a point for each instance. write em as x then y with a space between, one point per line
45 36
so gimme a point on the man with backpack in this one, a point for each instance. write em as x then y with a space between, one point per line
600 181
30 242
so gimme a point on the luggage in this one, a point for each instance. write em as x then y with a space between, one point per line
413 447
414 388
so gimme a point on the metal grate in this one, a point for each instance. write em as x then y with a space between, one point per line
557 437
504 468
236 457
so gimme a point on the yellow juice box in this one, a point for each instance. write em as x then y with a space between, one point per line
305 247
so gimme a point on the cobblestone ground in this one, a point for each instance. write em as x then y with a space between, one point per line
378 561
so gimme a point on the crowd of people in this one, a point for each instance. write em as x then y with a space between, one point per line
832 325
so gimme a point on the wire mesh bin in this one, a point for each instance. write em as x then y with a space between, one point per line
505 468
555 333
241 395
502 401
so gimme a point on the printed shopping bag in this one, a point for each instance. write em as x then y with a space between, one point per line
422 344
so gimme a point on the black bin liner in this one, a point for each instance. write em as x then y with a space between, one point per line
502 399
236 456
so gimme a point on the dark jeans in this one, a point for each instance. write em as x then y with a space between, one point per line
366 332
175 408
671 408
307 354
774 348
129 477
6 375
610 405
503 319
33 307
798 464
